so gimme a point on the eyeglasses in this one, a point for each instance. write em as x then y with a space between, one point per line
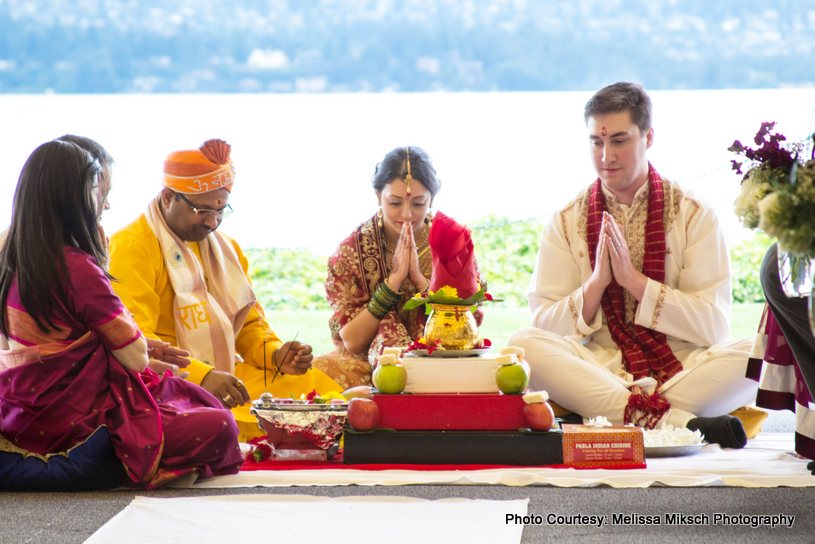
220 214
97 193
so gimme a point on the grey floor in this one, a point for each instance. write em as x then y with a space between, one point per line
73 517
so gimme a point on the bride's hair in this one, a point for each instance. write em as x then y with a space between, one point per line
394 166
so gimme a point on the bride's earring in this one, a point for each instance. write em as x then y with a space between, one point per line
428 220
379 218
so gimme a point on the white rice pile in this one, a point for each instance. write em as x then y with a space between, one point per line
669 435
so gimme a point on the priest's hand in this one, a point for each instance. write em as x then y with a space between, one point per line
400 262
626 275
226 387
295 361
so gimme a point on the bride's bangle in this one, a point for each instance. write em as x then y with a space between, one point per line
382 301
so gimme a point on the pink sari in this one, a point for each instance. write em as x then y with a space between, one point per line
63 385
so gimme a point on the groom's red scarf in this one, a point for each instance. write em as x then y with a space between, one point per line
645 351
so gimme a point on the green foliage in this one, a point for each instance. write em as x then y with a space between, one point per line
506 252
745 264
288 279
294 279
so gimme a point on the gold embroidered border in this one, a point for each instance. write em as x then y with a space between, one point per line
8 446
573 309
563 225
582 213
23 326
663 291
673 197
370 255
692 214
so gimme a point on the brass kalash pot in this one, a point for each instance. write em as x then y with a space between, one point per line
453 325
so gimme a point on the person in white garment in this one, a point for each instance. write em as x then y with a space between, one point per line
631 292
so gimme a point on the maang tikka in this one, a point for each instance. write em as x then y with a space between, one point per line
408 178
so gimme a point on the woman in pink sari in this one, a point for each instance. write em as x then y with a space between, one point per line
74 362
379 267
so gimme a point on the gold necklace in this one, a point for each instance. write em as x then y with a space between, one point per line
420 244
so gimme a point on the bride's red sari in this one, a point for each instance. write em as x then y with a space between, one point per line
355 271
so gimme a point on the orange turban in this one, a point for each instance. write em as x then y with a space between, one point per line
200 170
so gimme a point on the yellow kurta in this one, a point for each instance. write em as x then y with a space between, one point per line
145 289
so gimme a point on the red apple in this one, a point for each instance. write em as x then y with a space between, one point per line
363 414
539 416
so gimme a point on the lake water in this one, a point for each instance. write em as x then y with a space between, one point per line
304 161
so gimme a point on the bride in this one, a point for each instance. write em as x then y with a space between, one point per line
379 267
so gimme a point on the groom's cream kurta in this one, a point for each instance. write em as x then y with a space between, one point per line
578 363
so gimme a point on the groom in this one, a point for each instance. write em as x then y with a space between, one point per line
630 296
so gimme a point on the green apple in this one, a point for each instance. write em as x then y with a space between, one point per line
512 378
390 378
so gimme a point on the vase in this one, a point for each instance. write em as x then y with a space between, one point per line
795 273
453 326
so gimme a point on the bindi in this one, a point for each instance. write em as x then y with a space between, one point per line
220 202
603 131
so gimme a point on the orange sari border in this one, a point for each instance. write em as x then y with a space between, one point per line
18 357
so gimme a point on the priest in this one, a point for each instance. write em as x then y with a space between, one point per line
186 283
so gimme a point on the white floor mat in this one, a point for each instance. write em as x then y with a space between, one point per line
769 460
300 518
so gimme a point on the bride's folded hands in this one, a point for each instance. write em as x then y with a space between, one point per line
405 262
402 258
415 274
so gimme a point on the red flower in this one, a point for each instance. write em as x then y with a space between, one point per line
488 296
433 346
769 151
483 343
765 129
416 344
310 396
262 450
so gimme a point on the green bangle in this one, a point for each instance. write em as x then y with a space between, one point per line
376 312
382 301
378 308
388 292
